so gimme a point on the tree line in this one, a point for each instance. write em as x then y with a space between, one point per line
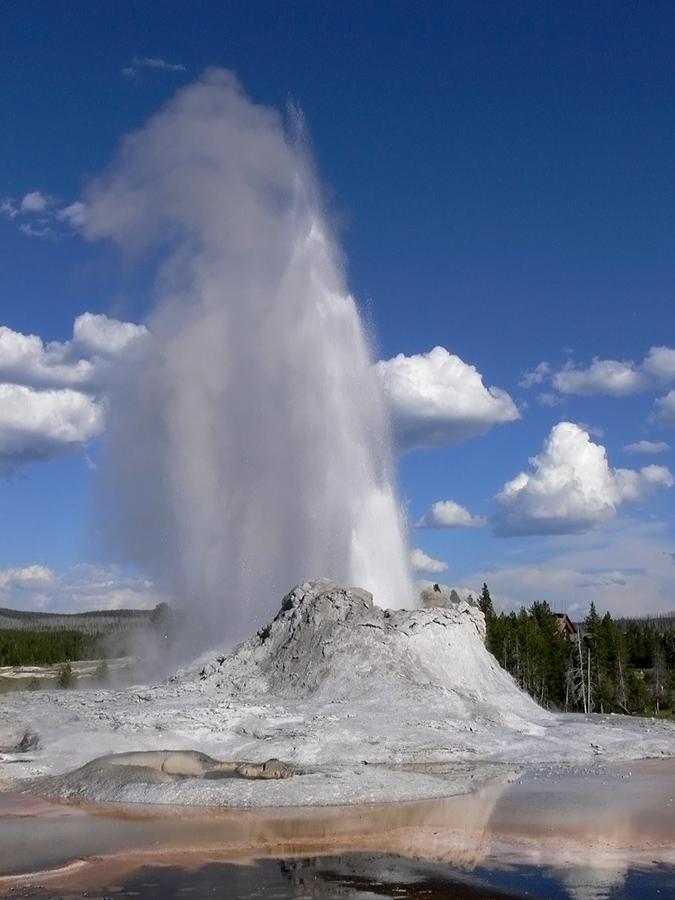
623 666
93 622
45 639
26 648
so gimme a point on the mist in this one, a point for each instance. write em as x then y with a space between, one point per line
249 449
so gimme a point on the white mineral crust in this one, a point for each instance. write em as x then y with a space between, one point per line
370 704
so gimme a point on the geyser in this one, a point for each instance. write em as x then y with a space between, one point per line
250 448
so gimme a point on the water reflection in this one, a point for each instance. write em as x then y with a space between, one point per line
37 835
347 877
352 877
583 836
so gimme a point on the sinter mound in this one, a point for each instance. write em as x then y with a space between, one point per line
332 643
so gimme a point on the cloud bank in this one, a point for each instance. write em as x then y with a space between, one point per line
52 395
627 568
78 589
448 514
436 399
570 487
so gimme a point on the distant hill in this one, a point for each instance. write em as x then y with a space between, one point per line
41 638
102 621
661 623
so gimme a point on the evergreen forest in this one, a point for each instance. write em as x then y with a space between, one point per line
609 666
37 639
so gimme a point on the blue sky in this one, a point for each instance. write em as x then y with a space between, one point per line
501 176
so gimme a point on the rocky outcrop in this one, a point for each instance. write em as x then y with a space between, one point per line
13 740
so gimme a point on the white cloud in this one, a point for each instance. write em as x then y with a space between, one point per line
438 399
420 562
51 395
537 376
25 360
39 425
78 589
74 214
448 514
660 362
571 487
548 398
27 577
603 376
7 208
147 62
43 215
618 378
652 447
100 336
82 363
37 229
666 410
34 202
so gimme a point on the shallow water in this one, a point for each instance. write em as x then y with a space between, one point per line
585 835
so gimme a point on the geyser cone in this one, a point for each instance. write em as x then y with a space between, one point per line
251 447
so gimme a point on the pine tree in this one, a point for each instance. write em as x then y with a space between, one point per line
486 607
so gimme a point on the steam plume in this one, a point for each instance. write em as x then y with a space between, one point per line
250 449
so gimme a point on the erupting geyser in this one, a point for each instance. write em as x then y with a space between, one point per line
250 449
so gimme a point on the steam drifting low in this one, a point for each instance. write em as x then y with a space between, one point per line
250 448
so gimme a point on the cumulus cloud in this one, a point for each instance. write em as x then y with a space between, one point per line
421 562
448 514
25 360
25 578
665 414
52 395
105 338
618 378
660 362
39 425
651 447
78 589
149 62
570 487
438 399
83 363
603 376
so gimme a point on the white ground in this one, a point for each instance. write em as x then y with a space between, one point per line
366 702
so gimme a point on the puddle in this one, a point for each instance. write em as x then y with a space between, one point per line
583 835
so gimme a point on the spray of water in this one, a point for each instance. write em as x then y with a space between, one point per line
250 449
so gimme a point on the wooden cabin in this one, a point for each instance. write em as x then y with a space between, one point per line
567 627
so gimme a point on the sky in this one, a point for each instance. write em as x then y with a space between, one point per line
501 178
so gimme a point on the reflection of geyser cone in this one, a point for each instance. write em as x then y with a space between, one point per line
455 830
